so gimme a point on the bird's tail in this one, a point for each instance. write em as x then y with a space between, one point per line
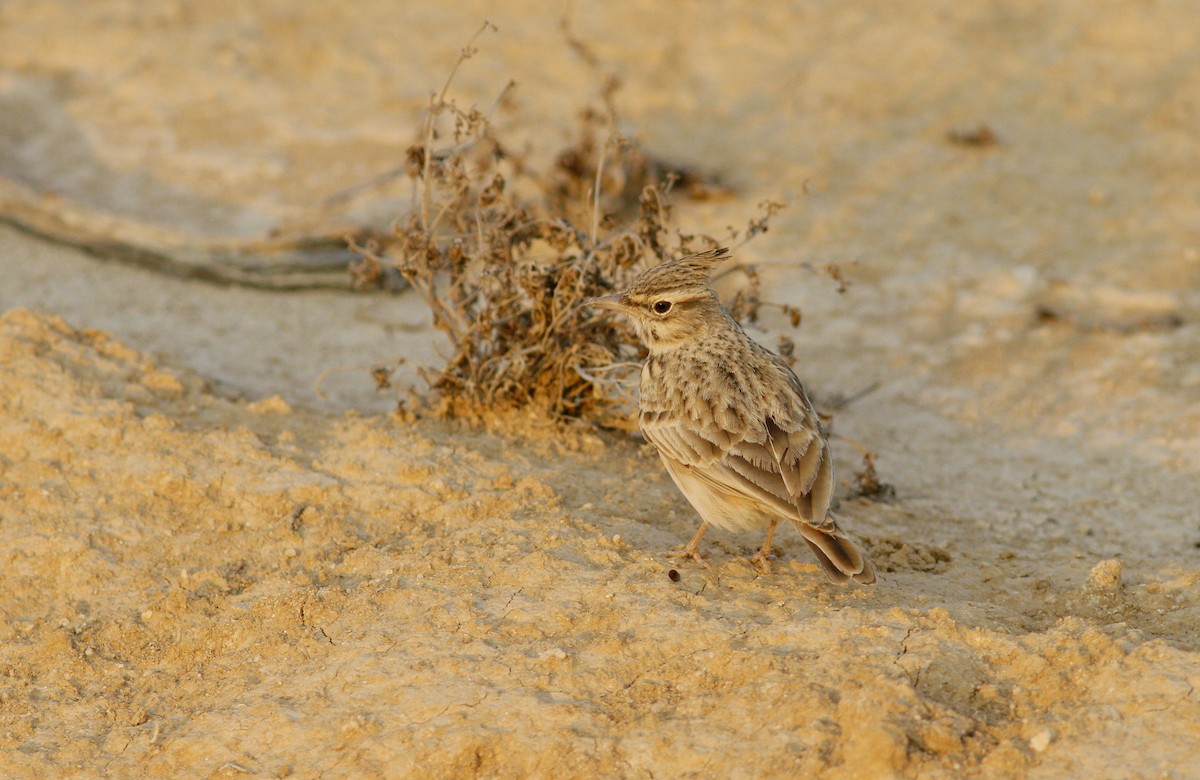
837 553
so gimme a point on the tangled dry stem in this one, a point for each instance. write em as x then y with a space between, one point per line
504 257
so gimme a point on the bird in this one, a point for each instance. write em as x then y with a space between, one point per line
731 421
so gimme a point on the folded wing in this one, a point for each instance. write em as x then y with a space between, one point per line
785 466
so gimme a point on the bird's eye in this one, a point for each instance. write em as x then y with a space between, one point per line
662 307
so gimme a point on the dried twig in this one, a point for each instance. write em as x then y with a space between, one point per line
504 272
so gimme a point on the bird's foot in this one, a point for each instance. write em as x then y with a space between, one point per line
692 548
691 552
761 561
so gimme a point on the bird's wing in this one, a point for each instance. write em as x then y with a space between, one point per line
783 463
683 441
792 463
787 467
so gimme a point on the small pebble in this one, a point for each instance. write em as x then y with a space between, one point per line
1105 577
1041 740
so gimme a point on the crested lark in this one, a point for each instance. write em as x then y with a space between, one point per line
730 420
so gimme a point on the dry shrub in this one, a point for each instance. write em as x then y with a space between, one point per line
504 256
866 483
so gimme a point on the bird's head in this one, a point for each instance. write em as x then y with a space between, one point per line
670 304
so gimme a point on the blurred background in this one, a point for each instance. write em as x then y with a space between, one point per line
973 168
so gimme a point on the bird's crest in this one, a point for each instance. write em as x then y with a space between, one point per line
691 272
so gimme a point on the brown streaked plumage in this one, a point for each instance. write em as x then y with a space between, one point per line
730 420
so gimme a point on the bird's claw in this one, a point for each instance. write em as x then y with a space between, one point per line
691 553
761 561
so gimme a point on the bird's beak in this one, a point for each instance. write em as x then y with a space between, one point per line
615 302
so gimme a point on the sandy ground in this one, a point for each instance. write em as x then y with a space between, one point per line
209 569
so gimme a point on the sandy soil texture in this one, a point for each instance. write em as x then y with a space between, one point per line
210 569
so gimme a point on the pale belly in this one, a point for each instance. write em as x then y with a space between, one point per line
723 509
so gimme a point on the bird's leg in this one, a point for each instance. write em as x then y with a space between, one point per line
762 558
692 550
